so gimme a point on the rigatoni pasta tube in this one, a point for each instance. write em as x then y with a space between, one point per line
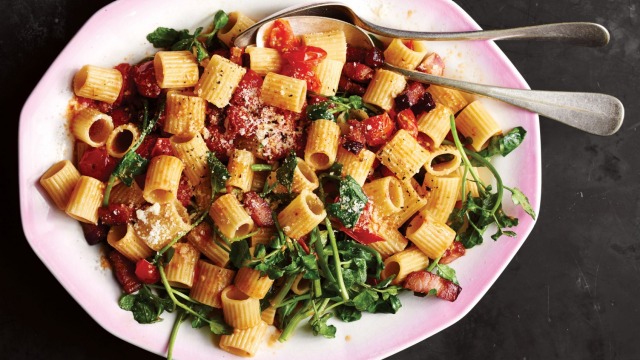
475 122
264 236
304 177
413 202
230 217
383 88
403 155
85 199
252 282
124 239
398 54
201 237
59 181
240 310
238 22
283 92
98 83
268 315
193 153
209 282
158 224
181 269
453 99
302 214
358 166
175 69
394 241
322 144
436 123
443 194
92 127
130 195
185 114
328 72
430 236
219 80
443 160
244 342
241 175
404 263
387 195
162 179
264 60
334 42
122 139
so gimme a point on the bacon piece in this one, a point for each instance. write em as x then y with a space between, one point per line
124 270
350 87
455 251
357 72
94 234
258 209
115 214
424 281
432 64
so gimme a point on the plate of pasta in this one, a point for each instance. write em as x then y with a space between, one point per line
202 200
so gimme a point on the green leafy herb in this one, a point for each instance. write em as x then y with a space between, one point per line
519 198
446 272
504 144
319 326
284 174
239 253
218 326
330 109
145 305
261 167
351 203
219 174
172 39
348 313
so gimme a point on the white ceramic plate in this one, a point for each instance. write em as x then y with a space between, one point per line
116 34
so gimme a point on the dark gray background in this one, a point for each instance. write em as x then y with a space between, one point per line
571 292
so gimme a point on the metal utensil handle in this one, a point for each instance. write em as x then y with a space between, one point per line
577 33
594 113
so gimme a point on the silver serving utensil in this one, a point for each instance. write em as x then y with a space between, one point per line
577 33
594 113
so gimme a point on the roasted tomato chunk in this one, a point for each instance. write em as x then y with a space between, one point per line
147 272
367 229
281 36
97 163
378 129
258 209
309 55
116 214
302 71
144 76
185 191
162 147
407 121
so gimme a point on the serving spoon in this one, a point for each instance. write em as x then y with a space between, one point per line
577 33
594 113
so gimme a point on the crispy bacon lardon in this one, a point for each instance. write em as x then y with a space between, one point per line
454 251
424 281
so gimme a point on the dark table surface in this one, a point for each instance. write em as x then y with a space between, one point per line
571 292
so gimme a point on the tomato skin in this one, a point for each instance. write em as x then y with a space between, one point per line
302 71
147 272
147 146
120 116
144 76
365 230
407 120
239 122
128 89
185 192
281 36
378 129
115 214
162 147
309 55
97 163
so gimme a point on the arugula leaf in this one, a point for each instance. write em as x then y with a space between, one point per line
239 253
348 313
519 198
365 300
446 272
333 107
130 166
163 37
218 326
505 143
145 305
284 174
351 203
220 20
319 326
219 174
